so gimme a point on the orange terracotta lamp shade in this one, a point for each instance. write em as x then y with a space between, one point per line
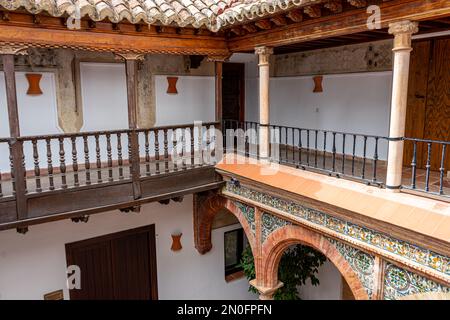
176 242
172 88
318 84
34 80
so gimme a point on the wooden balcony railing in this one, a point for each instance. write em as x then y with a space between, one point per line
124 166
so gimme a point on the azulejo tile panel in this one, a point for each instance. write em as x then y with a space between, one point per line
380 240
249 214
362 263
399 283
270 223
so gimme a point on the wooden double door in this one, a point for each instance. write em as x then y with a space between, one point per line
428 111
119 266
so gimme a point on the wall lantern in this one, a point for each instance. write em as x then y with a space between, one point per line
176 242
172 88
318 84
33 83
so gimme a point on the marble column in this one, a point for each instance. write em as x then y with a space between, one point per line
402 32
264 79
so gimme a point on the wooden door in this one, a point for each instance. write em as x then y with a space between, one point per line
428 111
233 91
116 266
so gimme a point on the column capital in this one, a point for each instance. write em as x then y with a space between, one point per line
265 293
129 56
402 32
402 27
263 51
218 58
11 48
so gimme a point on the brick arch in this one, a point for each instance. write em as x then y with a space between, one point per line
279 240
206 208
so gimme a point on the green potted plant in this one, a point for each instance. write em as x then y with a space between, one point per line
298 264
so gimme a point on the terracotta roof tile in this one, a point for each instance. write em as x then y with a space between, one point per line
212 14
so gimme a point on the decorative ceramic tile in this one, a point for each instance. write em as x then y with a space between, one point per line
270 223
399 283
361 262
249 214
380 240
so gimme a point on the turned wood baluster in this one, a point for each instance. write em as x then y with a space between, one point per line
50 164
183 149
62 163
119 155
208 146
147 153
11 164
76 179
87 164
192 147
157 151
200 145
37 170
166 152
109 157
98 158
174 150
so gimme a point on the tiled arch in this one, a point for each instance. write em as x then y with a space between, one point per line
279 240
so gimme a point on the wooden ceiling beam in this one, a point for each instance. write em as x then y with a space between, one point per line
358 3
314 11
295 15
348 22
93 40
279 20
264 24
334 6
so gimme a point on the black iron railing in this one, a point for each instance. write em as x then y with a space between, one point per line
341 154
241 137
429 166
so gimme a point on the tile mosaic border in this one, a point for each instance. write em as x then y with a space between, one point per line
380 240
399 283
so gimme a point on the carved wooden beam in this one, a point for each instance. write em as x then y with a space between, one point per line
279 20
358 3
295 15
96 40
334 6
313 11
345 23
264 24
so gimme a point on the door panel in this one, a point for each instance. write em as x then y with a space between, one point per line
116 266
94 261
130 260
428 110
233 91
437 116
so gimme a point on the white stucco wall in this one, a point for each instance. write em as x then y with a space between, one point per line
330 287
104 96
34 264
193 102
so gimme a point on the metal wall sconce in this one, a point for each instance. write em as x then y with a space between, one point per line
172 82
176 242
318 84
34 80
